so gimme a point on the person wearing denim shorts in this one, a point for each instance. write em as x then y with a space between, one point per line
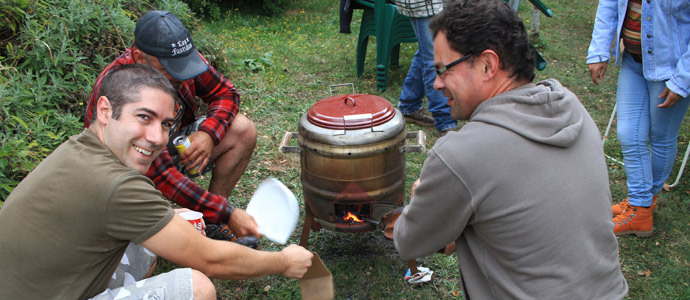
651 41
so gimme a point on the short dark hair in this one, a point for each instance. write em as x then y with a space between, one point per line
122 85
472 26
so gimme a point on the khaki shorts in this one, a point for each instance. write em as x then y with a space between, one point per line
176 285
128 282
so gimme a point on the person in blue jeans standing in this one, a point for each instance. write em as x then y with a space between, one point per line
420 78
652 95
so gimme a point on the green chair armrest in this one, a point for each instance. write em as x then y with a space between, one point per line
545 10
365 3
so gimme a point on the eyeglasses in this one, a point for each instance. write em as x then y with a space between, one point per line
450 65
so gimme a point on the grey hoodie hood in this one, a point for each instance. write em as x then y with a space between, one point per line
545 112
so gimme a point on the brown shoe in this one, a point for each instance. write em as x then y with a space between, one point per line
635 220
619 207
420 118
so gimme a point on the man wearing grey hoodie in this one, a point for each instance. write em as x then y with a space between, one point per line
522 189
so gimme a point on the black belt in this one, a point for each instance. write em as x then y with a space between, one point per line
636 57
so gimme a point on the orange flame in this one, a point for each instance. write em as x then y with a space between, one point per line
351 217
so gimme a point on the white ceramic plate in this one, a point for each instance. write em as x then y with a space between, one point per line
275 210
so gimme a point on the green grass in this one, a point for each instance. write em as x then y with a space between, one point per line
301 53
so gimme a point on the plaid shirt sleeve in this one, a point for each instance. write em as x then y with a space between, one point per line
177 187
222 99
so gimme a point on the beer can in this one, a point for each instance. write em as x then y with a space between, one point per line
181 143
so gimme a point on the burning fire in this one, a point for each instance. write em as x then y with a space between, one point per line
351 217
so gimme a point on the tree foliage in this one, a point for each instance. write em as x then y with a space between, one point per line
213 9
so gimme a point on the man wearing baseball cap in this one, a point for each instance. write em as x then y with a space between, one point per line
223 137
161 34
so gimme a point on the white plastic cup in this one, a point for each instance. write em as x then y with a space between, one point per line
195 218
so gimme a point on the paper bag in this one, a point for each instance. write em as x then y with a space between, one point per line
317 283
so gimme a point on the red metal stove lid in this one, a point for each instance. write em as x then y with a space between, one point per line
351 111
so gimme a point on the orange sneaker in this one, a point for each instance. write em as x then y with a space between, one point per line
635 220
619 207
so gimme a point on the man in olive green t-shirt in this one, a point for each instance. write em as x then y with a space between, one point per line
66 226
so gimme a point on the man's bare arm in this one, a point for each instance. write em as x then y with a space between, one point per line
181 244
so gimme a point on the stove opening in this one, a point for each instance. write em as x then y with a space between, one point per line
352 213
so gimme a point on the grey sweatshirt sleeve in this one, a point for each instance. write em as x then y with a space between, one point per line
436 215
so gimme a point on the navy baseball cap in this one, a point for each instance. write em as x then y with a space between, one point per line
162 34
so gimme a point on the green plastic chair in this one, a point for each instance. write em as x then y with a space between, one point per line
539 5
382 20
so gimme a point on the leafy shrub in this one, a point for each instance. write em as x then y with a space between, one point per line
208 9
256 65
32 126
212 9
11 16
274 7
46 74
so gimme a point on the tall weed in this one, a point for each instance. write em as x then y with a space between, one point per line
47 74
11 14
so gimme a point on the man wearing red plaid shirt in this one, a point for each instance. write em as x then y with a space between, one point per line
223 137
